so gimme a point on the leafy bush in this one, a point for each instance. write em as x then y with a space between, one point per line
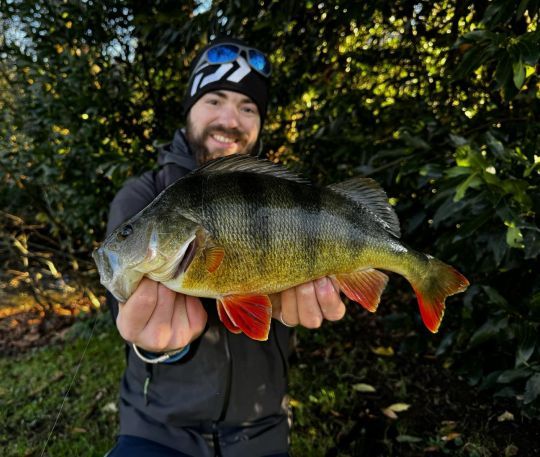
436 100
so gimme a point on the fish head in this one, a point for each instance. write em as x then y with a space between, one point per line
146 245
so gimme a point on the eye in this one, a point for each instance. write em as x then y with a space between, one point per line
126 231
249 109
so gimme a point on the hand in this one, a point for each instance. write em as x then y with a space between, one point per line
309 303
158 319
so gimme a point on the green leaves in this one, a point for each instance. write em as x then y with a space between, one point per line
448 127
532 389
490 330
518 73
473 58
509 55
473 180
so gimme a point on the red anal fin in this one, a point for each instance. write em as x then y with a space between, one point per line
251 314
213 257
224 317
364 287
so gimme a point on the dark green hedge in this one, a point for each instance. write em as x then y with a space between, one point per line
438 101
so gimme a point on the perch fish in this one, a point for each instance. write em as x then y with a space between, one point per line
239 228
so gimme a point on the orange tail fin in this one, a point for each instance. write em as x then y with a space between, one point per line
431 290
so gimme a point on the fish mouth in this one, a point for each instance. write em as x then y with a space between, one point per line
118 282
186 258
105 263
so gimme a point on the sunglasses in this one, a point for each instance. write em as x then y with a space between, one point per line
225 53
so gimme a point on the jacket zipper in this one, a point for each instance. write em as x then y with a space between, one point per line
226 395
149 372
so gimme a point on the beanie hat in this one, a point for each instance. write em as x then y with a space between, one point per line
237 76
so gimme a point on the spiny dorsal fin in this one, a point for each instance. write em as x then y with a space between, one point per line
247 164
369 194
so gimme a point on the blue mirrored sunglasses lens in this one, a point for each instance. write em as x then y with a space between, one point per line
259 61
222 53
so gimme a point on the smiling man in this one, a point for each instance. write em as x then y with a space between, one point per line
192 388
222 123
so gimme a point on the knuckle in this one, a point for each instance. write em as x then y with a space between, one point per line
145 297
180 340
200 324
127 334
159 338
312 322
328 294
305 290
334 312
335 315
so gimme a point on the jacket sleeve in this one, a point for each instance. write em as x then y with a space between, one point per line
130 199
134 196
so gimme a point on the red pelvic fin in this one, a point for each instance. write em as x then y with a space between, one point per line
224 317
213 257
251 314
364 287
441 282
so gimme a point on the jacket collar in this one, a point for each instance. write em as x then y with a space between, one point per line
177 152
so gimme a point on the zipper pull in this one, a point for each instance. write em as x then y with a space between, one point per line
147 383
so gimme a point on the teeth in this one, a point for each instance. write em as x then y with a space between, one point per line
223 139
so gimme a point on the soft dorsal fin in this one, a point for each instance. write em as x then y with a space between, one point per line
369 194
248 164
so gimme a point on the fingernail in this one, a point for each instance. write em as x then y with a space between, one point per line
321 282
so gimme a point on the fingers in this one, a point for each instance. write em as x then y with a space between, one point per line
179 324
275 299
134 314
187 323
289 307
331 305
309 311
309 304
196 314
159 328
158 319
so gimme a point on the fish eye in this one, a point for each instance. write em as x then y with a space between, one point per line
126 231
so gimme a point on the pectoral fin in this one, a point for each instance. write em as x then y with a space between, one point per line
364 287
213 257
250 314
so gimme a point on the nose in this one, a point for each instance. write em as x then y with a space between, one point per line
229 116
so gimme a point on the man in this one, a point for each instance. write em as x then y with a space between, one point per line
192 388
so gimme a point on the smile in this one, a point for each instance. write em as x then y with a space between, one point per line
223 139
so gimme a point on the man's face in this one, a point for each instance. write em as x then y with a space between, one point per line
222 123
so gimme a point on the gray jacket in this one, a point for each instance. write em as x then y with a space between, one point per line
227 396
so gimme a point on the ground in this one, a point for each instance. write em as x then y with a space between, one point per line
357 389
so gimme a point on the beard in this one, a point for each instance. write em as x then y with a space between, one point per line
197 140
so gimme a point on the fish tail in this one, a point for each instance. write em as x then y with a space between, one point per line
438 282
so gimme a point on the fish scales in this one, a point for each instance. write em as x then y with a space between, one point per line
283 230
239 229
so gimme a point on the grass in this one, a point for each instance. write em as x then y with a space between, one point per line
352 394
34 386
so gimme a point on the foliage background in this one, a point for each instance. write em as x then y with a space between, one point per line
438 101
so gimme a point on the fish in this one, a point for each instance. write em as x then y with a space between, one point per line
239 229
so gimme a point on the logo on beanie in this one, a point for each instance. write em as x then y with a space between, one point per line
201 79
